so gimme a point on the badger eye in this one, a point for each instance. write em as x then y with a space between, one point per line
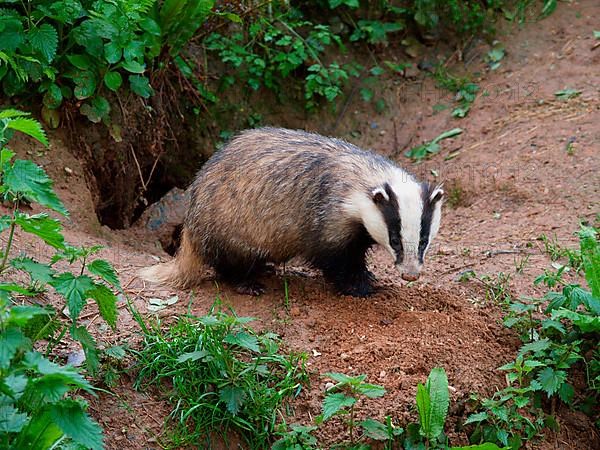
395 242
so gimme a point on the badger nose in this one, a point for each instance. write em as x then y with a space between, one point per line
410 276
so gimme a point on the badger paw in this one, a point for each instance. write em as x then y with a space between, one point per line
253 288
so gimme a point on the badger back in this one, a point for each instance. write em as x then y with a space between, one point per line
274 191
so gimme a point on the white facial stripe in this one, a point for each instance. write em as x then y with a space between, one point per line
436 219
362 207
411 208
382 192
438 191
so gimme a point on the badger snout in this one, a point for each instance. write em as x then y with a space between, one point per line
410 276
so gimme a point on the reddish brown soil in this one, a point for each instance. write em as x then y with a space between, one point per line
512 179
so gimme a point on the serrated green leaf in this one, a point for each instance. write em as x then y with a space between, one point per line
566 392
88 344
41 273
243 340
107 303
40 433
112 52
141 86
342 378
28 179
116 351
74 289
233 397
486 446
424 409
69 374
375 429
587 323
20 315
75 423
113 80
371 390
476 418
10 113
11 420
30 127
44 39
11 340
43 226
104 270
334 403
551 380
535 346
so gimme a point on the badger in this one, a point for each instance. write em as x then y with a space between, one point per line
274 194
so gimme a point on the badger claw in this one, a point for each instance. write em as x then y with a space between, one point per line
253 288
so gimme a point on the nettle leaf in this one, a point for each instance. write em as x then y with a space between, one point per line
107 303
88 344
44 39
342 378
68 374
535 347
244 340
76 424
21 315
371 390
11 340
40 433
141 86
334 403
11 420
113 80
41 273
43 226
551 380
233 397
104 270
375 429
566 392
30 180
30 127
74 289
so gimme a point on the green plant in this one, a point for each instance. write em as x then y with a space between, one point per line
220 375
560 332
35 411
342 397
556 252
22 182
433 401
423 151
521 263
299 437
465 91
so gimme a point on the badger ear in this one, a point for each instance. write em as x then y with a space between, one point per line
436 195
379 195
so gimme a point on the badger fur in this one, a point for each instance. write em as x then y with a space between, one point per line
274 194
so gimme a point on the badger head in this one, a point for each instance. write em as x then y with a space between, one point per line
407 220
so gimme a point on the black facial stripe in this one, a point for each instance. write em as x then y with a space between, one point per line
391 217
426 218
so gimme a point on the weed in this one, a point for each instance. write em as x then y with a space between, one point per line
521 263
456 195
36 413
464 89
423 151
556 252
498 289
221 376
560 333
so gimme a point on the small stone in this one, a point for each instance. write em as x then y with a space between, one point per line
68 171
329 385
294 311
344 356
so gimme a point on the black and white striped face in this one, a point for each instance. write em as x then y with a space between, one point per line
409 218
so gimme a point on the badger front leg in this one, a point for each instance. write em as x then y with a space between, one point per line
347 269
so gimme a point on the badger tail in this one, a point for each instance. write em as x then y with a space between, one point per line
182 271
